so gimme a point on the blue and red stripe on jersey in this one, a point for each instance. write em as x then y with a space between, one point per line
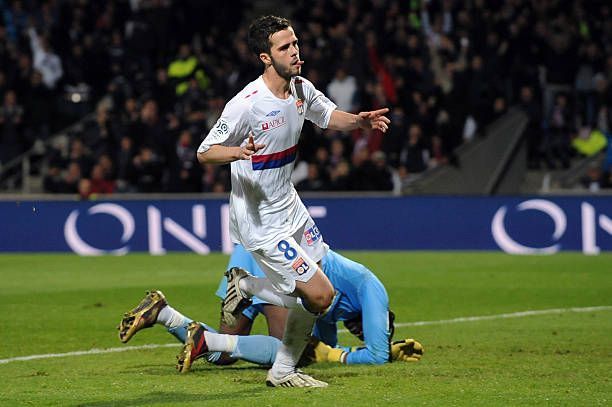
274 160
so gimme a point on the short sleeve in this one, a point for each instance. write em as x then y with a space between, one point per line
231 129
319 107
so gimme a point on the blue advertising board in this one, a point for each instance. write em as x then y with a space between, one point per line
518 225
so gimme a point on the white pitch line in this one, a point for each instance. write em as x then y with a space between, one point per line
93 351
521 314
505 316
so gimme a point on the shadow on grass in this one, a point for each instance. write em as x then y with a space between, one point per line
164 398
197 369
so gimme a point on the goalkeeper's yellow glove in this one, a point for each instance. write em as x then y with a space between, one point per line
315 352
321 351
336 355
407 350
318 351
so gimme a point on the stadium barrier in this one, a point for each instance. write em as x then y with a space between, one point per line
517 225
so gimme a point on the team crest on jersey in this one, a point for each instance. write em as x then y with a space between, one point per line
300 266
273 113
221 127
274 123
312 235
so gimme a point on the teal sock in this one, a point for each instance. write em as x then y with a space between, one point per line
258 349
180 332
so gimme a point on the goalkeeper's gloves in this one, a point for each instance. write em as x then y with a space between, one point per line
325 353
317 352
407 350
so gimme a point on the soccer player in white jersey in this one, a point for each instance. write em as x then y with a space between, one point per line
258 133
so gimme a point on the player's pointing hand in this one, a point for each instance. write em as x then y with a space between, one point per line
374 120
250 148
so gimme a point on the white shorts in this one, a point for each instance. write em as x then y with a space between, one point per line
293 258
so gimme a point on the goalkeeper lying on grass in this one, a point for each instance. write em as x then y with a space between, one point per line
361 302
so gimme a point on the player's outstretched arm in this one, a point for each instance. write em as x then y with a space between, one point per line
374 120
218 154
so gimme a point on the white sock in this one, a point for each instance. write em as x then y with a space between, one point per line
263 289
220 342
297 331
170 318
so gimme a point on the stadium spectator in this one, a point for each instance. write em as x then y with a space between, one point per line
362 175
11 127
69 183
343 90
313 181
38 107
185 173
186 68
126 171
46 61
98 134
437 56
85 189
148 169
382 173
52 181
557 136
415 156
439 154
340 177
99 184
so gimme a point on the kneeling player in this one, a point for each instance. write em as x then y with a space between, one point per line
361 302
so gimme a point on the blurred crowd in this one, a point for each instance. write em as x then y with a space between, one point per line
157 73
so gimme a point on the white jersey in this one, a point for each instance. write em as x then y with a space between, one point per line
264 206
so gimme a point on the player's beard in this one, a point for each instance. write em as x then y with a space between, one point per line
286 72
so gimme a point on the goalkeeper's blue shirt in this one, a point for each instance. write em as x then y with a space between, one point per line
359 292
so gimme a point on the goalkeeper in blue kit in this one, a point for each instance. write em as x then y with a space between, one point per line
361 302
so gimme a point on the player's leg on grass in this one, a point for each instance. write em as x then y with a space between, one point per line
144 315
243 326
247 348
259 349
154 309
299 275
299 322
276 318
255 348
231 343
295 281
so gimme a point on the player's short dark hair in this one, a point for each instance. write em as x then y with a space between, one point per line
260 31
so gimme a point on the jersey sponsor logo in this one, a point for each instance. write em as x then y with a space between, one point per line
312 235
221 127
274 160
273 113
300 266
274 123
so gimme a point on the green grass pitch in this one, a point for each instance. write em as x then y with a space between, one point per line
54 304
